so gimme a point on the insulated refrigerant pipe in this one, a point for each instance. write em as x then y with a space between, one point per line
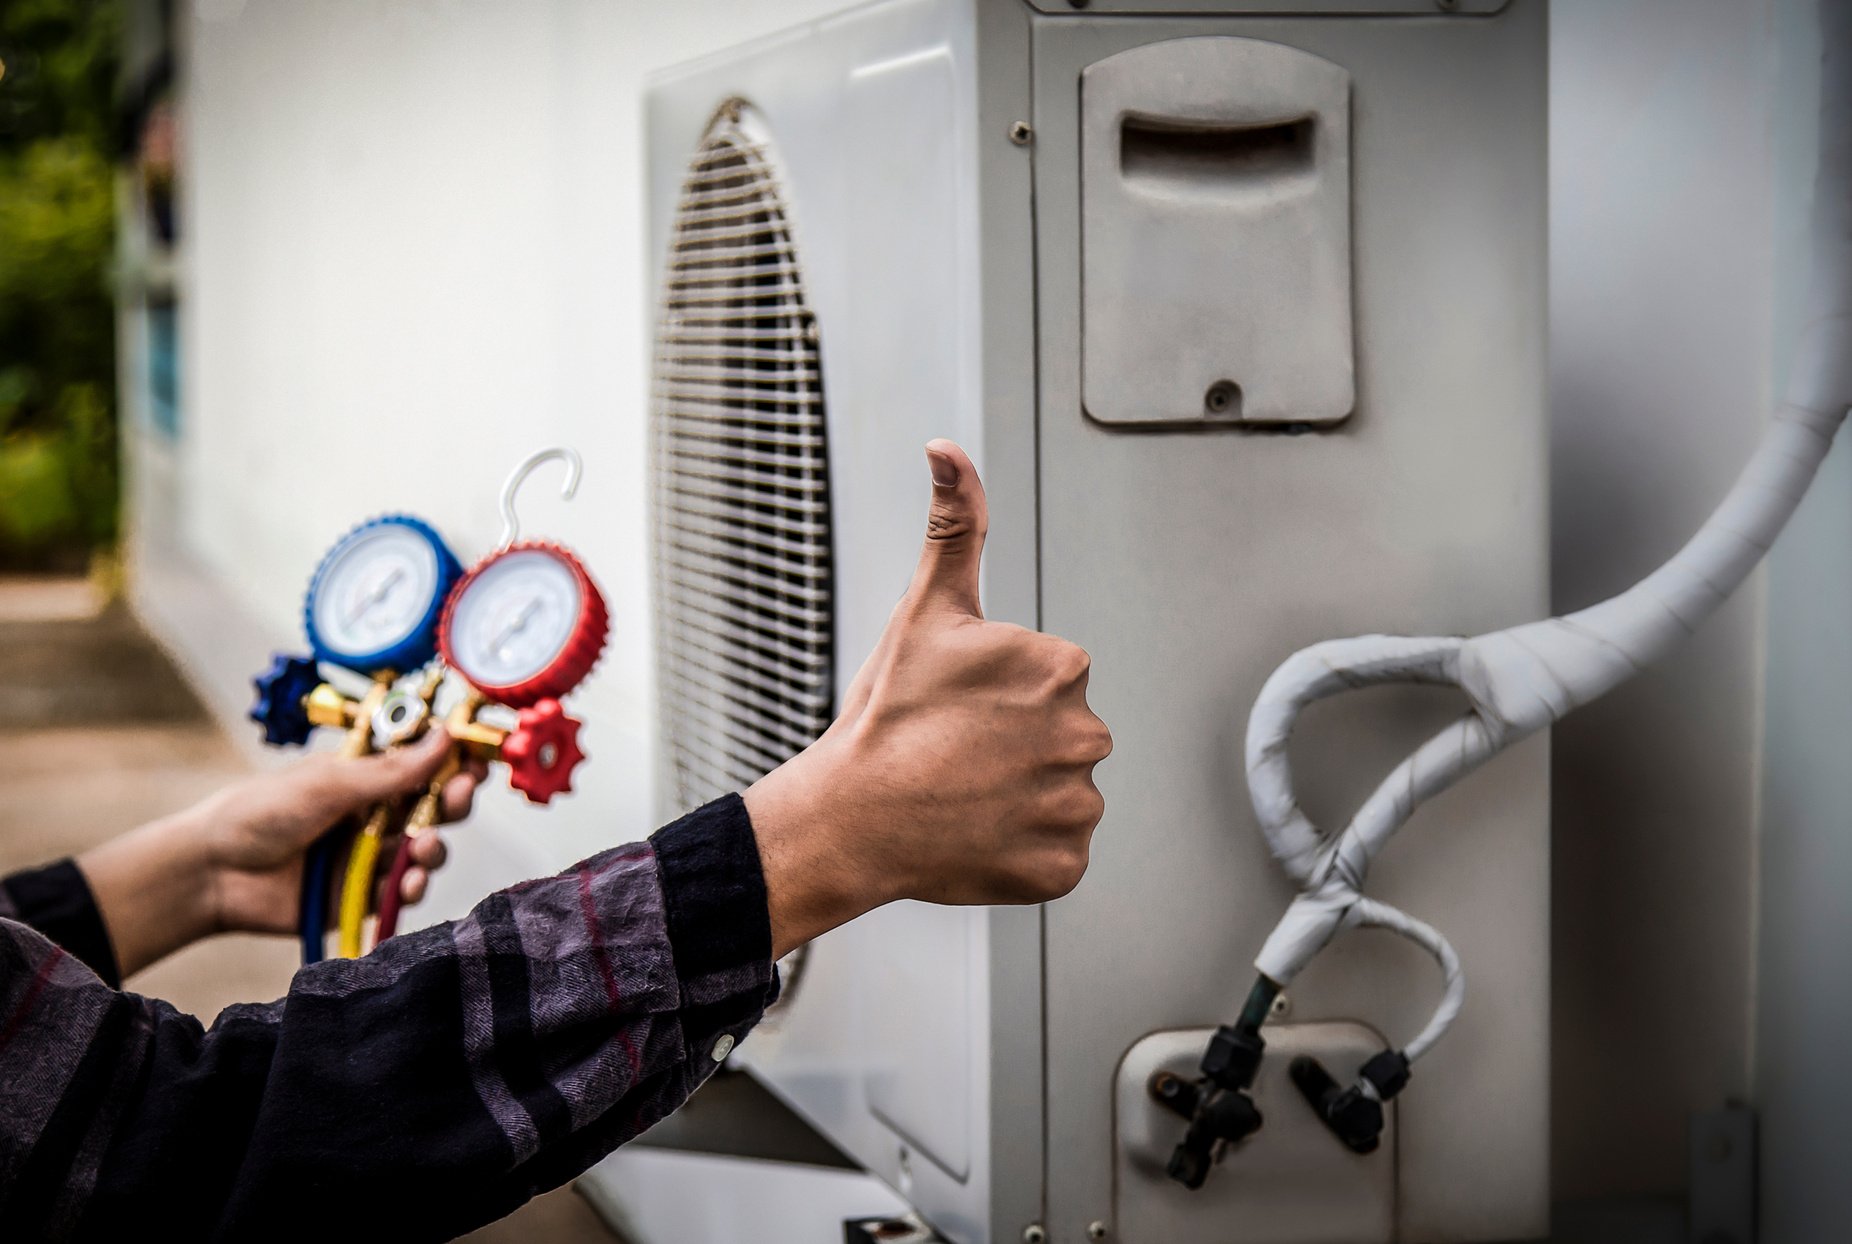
1519 680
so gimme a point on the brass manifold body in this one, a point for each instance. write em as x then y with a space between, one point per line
359 720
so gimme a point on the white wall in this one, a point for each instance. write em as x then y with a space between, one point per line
414 252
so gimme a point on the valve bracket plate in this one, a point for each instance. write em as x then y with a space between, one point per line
1293 1182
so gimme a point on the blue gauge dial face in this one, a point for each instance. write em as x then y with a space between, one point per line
376 591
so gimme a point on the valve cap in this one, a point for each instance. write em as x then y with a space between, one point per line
542 751
281 694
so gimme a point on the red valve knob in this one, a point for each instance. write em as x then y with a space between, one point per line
542 751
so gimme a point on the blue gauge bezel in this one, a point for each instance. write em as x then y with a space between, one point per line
417 648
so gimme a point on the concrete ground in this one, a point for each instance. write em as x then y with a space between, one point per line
98 734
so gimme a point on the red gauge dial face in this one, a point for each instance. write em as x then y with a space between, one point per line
526 624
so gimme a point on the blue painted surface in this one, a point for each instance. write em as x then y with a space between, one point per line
164 368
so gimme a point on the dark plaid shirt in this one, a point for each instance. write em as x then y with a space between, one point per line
419 1092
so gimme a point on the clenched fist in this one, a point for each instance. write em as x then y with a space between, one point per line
961 768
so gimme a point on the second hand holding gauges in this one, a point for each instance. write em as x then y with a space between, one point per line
372 607
523 628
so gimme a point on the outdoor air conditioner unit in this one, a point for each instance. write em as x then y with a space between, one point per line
1239 307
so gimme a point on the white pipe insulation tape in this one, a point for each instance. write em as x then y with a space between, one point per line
1519 680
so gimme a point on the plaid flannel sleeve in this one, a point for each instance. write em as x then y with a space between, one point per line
421 1091
56 900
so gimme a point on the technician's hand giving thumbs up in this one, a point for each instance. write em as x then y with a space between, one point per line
961 768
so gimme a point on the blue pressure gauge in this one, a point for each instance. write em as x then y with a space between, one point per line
376 598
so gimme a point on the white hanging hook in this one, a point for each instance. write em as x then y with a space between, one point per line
511 523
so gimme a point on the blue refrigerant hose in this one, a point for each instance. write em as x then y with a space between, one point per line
317 874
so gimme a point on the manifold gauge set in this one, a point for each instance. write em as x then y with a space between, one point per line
392 604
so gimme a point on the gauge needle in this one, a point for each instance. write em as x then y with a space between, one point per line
518 625
376 595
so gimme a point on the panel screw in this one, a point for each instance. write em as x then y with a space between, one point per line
1282 1005
1222 397
1096 1231
1033 1234
1021 133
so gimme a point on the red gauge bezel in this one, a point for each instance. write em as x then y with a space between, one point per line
574 661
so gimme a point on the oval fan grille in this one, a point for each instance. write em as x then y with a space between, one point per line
743 571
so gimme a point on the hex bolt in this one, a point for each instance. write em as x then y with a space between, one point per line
1022 133
1034 1234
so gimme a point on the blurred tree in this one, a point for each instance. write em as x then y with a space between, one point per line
58 469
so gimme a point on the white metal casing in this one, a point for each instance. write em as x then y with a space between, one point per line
969 1057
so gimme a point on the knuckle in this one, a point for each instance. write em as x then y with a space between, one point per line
1101 742
946 522
1076 806
1069 662
1065 873
1083 739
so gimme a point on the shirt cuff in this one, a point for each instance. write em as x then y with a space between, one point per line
714 893
720 929
56 900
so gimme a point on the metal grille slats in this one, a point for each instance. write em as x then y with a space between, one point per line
744 577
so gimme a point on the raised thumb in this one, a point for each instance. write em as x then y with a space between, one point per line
947 574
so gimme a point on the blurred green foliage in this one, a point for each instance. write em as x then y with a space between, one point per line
58 457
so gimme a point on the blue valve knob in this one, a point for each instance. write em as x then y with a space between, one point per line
281 694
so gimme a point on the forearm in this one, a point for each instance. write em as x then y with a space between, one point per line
155 889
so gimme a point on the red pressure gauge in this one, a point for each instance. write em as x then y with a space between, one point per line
526 624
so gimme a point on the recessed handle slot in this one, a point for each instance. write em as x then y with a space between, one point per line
1215 236
1168 150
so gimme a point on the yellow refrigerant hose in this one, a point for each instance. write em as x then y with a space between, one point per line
357 885
403 722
